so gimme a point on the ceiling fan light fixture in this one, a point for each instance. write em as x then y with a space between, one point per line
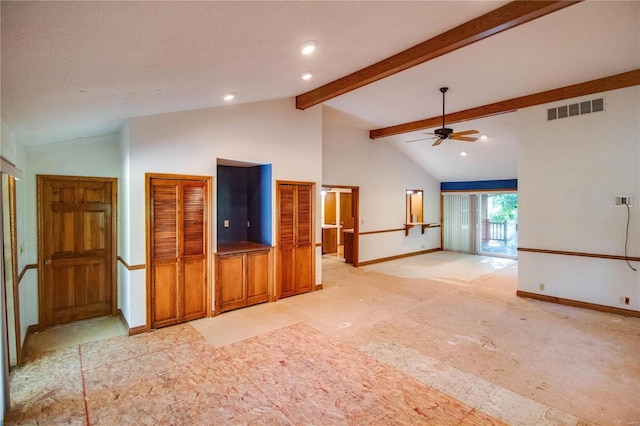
308 47
228 96
463 153
484 137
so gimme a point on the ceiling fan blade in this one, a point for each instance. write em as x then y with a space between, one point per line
462 138
418 140
464 132
438 142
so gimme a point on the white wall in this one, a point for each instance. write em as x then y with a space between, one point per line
569 172
95 156
124 219
190 143
383 174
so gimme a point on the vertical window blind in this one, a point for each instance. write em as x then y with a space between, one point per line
457 227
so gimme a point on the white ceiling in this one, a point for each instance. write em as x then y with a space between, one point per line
73 69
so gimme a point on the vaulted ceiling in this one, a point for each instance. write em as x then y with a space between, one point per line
73 69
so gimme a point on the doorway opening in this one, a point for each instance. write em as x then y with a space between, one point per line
485 224
340 223
499 225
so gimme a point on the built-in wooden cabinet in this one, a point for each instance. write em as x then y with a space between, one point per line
329 240
244 232
242 275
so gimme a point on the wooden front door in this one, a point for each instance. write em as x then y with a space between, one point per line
178 209
76 248
295 264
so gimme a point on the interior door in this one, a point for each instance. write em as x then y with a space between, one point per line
178 250
294 269
76 248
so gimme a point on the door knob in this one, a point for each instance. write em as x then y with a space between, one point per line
47 262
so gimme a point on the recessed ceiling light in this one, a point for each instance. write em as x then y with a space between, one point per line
483 137
308 47
307 76
229 96
463 153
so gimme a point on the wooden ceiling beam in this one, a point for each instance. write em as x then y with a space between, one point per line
618 81
494 22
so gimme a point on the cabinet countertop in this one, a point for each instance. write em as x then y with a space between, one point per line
241 247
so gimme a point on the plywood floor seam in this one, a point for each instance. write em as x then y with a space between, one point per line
445 342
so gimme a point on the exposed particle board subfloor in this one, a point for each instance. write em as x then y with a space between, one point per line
452 344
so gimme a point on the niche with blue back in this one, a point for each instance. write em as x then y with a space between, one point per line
244 200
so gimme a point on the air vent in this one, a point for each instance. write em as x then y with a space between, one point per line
586 107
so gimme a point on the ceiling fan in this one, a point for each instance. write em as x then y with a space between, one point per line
446 133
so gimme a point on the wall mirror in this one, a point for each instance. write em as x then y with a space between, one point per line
414 206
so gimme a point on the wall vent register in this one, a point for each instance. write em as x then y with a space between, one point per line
579 108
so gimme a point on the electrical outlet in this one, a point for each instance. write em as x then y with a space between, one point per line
541 286
623 200
226 223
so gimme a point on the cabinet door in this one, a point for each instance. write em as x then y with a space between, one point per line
164 253
178 250
194 256
230 281
257 277
304 239
286 240
295 239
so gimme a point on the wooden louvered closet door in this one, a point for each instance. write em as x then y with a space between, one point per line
295 239
178 250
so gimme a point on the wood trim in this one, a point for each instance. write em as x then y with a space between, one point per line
141 329
578 304
318 245
10 168
131 331
15 278
580 254
25 269
400 256
503 18
382 231
130 267
319 287
618 81
32 329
